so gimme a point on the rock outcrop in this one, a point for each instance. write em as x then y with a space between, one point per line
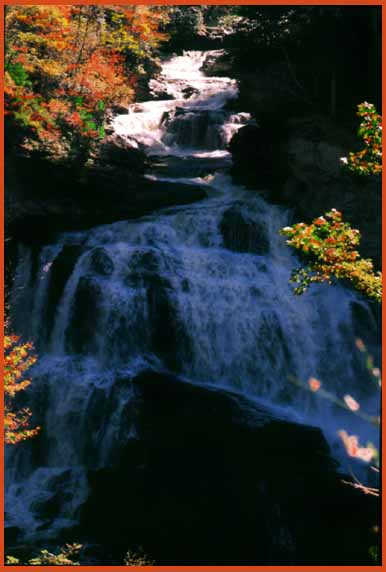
212 479
299 165
43 198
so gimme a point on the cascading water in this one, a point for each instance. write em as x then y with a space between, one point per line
201 290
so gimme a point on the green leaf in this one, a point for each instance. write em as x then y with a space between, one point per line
18 74
369 362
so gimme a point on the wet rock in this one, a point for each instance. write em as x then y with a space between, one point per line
242 234
117 151
218 65
208 465
60 271
196 129
146 259
101 263
167 330
256 160
82 332
188 166
163 96
274 340
120 110
159 194
168 339
189 91
11 535
48 508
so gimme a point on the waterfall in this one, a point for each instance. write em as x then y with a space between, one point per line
201 290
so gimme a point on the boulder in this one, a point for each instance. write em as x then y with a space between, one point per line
242 234
11 535
117 151
188 166
82 332
212 479
188 91
167 336
100 262
256 157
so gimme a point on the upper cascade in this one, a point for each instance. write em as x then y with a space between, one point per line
195 105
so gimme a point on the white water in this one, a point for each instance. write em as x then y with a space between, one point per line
218 267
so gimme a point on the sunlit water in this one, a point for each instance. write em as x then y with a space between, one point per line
199 289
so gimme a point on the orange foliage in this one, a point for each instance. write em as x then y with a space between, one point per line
18 359
64 65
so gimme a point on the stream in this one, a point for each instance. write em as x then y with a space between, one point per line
200 290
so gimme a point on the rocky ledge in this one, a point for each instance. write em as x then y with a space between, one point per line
43 198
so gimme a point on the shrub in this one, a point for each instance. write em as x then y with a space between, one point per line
368 161
18 358
330 248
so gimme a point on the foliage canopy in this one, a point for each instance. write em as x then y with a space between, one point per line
65 65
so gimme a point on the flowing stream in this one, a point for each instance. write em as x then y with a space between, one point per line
201 290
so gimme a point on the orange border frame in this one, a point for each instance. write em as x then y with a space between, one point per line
382 567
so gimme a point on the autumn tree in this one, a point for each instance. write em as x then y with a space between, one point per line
18 359
66 65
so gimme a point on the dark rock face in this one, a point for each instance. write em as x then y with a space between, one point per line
168 338
257 157
101 262
49 507
299 166
241 234
81 335
189 91
214 480
43 198
187 166
61 270
198 130
11 535
117 152
215 65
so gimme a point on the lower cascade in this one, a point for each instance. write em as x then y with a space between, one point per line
198 293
